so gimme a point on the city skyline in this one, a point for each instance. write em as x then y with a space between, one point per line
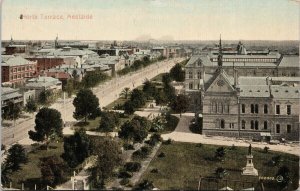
140 20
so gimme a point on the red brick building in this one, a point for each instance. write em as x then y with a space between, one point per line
45 63
16 69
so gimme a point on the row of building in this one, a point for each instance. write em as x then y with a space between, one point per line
241 94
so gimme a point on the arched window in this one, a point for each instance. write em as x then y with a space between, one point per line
190 75
222 123
199 75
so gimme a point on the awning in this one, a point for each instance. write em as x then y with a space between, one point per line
265 134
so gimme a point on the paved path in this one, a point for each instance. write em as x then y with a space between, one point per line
184 123
107 93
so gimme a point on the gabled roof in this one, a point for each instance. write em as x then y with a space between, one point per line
220 74
15 61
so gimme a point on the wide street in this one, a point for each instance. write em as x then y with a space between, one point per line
106 92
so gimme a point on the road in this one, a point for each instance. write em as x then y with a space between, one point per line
106 92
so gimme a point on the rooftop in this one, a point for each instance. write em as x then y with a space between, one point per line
15 61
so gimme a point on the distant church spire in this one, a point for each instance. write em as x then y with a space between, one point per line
56 41
11 40
220 55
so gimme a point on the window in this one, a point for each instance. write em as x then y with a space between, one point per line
256 108
190 75
199 75
220 108
265 125
190 85
222 124
265 109
228 108
288 109
243 124
198 85
277 128
243 108
231 125
252 108
288 128
252 124
256 125
277 109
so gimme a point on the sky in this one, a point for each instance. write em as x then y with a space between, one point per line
150 19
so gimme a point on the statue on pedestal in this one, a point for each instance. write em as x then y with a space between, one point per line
249 169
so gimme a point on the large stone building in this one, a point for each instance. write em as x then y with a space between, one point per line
243 106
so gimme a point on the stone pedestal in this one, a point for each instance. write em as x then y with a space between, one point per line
249 169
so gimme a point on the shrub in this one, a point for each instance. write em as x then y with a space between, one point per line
124 181
161 155
141 153
2 147
132 166
233 147
155 170
154 139
199 145
266 149
124 174
128 146
168 142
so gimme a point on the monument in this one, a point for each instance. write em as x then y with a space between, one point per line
249 169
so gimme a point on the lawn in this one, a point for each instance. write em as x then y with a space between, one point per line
91 125
30 173
184 163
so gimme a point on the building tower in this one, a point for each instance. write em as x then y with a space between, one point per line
56 42
220 55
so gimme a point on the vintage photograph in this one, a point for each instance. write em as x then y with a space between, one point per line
150 95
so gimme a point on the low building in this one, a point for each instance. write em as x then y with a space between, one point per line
15 69
43 83
48 62
10 95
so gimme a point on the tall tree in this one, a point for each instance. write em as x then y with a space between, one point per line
15 157
45 97
220 153
166 79
76 148
109 120
108 153
53 170
180 104
177 73
48 123
125 92
133 131
86 105
31 105
128 107
138 98
70 87
12 111
284 174
149 88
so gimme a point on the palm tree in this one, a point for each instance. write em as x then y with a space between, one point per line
220 153
125 92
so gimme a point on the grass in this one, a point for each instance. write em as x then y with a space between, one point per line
184 163
119 101
30 173
89 126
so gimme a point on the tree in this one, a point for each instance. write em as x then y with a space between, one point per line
5 173
161 98
170 92
86 105
138 98
12 111
48 124
220 153
15 157
128 107
133 131
284 174
31 105
45 97
177 73
149 88
125 92
221 172
76 148
166 79
158 123
108 153
53 170
70 87
109 121
143 121
180 104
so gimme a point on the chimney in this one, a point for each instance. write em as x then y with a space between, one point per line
235 75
